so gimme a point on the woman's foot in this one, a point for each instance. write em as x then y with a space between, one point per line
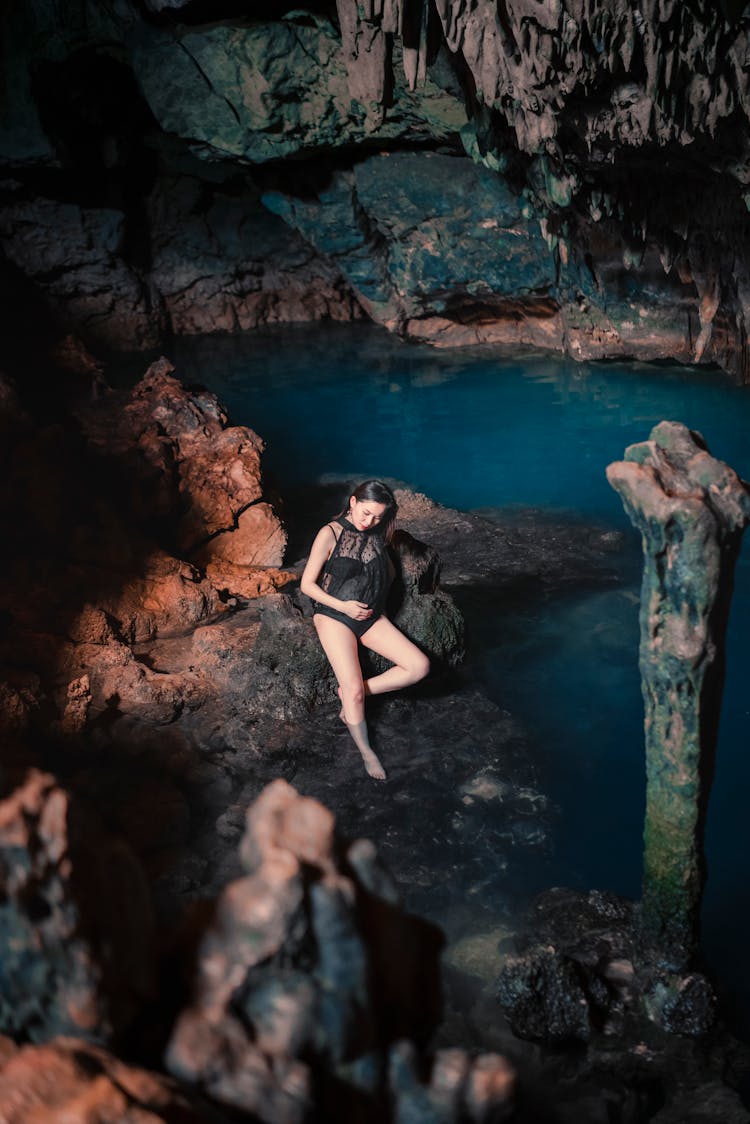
372 764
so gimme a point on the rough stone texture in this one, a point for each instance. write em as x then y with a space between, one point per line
73 1081
78 947
295 997
185 460
274 89
691 511
419 235
221 262
421 611
580 974
606 125
74 254
543 998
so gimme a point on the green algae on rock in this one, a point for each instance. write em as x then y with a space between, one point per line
691 510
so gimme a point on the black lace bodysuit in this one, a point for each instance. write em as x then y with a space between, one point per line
357 570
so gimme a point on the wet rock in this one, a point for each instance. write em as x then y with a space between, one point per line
543 999
79 954
682 1004
691 511
68 1079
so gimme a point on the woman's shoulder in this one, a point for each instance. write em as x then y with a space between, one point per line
334 528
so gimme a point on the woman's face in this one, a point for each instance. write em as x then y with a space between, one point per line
365 514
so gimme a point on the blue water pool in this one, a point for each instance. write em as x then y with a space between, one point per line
475 431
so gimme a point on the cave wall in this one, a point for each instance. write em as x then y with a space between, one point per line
566 174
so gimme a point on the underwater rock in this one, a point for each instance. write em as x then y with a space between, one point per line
79 954
691 511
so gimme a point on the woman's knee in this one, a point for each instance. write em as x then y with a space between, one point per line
353 690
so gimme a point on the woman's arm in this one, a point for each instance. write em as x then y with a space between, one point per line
325 540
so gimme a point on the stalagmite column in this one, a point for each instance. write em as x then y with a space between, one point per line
691 511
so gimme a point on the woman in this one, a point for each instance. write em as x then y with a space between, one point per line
348 575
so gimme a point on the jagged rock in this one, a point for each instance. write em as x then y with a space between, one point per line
682 1004
393 225
68 1079
246 581
166 600
185 459
425 614
78 953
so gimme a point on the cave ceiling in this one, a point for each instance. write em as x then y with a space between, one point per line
616 133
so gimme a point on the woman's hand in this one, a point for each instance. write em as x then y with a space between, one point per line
357 610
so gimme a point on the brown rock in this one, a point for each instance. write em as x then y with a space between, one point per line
185 465
246 581
167 599
72 1081
257 540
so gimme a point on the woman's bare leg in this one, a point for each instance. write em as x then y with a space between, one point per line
410 664
340 646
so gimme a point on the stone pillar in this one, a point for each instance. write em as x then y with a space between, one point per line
691 511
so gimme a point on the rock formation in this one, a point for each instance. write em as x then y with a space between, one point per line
79 955
69 1079
691 511
300 993
520 173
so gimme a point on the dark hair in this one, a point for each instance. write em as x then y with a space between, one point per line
377 492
